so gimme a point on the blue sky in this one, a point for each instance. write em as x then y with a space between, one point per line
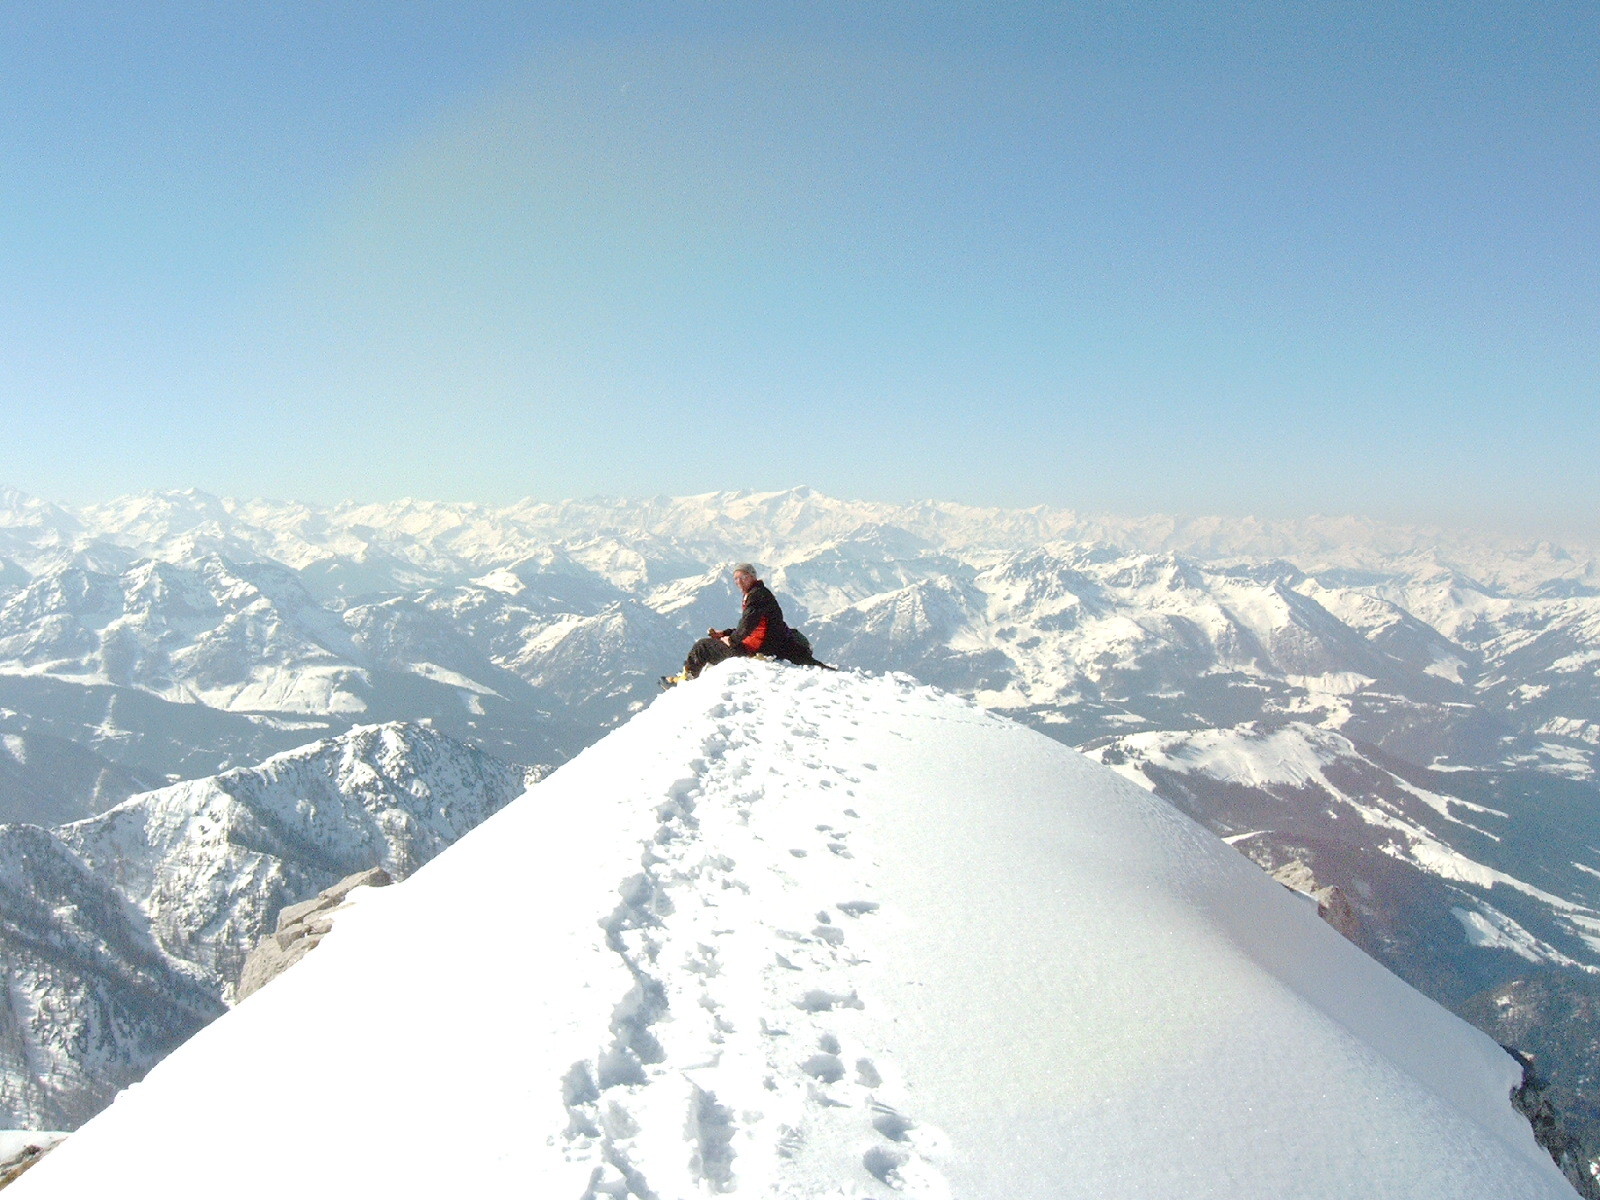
1249 258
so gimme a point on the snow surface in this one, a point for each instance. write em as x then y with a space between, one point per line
789 933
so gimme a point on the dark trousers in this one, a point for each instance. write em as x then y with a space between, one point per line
703 653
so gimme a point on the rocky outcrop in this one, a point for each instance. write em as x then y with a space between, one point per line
1333 906
300 927
1547 1021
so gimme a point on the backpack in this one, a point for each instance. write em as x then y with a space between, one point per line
797 650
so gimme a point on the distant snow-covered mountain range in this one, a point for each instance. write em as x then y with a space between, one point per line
1414 714
176 634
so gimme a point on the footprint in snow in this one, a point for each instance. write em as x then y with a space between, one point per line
820 1000
892 1124
857 908
884 1163
824 1067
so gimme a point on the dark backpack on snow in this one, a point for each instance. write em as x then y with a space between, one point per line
797 650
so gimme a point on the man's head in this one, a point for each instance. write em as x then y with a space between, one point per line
745 576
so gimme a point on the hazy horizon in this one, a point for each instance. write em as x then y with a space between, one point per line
1574 539
1124 259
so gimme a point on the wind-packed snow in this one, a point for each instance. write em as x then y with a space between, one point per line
790 933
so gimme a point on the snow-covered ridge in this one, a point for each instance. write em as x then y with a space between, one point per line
789 933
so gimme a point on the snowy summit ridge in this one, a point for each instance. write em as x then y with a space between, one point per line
788 933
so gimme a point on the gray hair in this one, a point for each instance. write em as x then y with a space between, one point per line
744 569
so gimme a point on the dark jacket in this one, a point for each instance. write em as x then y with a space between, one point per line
761 629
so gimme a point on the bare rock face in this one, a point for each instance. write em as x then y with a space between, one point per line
1333 906
300 927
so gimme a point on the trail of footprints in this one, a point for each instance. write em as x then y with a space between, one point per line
740 1062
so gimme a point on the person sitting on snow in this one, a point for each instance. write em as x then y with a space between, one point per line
761 629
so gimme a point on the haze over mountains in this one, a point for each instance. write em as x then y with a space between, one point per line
242 628
1415 716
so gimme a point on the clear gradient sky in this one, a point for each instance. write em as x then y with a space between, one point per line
1271 258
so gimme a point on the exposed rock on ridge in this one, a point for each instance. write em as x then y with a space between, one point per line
1333 906
300 928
